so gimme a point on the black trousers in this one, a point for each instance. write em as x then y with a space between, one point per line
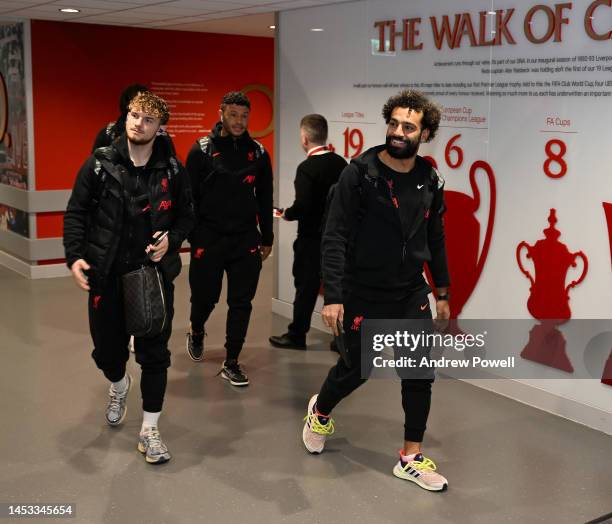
107 327
239 257
342 380
307 279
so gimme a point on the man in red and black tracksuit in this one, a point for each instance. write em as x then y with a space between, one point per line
124 195
231 179
384 223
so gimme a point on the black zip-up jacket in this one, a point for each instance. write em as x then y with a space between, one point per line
313 178
94 218
365 248
232 183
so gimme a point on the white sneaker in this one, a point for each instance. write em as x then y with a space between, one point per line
152 447
314 432
117 405
421 471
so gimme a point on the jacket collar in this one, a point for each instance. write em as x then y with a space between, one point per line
159 158
215 134
368 161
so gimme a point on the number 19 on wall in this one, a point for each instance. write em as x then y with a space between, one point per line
353 142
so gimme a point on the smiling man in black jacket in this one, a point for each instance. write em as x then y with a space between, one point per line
231 178
125 194
384 223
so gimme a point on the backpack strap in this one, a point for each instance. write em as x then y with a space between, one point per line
361 210
436 178
260 150
173 169
205 145
101 155
100 180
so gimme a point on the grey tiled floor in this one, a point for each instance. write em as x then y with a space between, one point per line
238 456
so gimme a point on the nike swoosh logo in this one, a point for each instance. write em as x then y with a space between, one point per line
424 307
420 186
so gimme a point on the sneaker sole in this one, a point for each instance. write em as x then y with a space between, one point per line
160 460
191 355
120 421
306 430
399 473
233 382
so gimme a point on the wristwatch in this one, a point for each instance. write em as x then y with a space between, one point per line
445 296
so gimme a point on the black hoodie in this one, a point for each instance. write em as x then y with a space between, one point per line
368 249
232 183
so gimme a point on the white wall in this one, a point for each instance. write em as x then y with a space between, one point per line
317 72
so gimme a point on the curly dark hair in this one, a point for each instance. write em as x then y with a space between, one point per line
419 102
151 104
237 98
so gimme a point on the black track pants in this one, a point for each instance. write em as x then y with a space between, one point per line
107 327
239 257
341 380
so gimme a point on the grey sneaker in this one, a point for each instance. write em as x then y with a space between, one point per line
152 446
117 405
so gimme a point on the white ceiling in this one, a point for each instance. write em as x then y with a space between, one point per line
243 17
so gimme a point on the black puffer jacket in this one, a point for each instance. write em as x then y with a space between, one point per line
232 185
95 213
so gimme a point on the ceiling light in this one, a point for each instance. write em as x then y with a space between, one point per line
69 10
317 29
491 13
272 26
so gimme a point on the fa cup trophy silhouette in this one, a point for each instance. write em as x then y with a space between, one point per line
549 295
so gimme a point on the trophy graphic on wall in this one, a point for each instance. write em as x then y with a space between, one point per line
549 295
463 233
463 230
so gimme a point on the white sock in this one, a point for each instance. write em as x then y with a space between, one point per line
121 386
149 420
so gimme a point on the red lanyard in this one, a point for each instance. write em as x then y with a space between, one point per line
318 150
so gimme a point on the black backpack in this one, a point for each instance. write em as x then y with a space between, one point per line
363 172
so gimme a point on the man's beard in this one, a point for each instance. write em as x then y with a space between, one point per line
231 132
408 150
139 141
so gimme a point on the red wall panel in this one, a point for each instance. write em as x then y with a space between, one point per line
79 71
